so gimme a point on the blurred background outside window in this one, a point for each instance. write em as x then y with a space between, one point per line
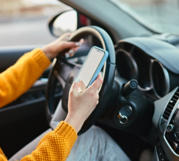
24 22
160 15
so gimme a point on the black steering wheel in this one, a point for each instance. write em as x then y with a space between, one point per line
65 72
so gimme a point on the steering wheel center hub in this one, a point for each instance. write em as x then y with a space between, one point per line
68 84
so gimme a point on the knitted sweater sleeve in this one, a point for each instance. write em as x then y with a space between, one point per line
54 146
18 78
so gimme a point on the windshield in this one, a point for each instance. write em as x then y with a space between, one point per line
159 15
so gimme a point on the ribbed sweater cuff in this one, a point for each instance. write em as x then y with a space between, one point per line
41 59
67 132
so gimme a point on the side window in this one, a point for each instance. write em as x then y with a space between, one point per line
24 22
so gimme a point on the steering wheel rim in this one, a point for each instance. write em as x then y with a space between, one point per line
108 78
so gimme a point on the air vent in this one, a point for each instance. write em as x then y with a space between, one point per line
170 105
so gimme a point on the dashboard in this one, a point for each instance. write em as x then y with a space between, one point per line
153 63
166 121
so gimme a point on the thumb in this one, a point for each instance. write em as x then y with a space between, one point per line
68 45
75 86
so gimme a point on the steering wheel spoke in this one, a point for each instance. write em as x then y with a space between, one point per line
60 79
58 116
62 70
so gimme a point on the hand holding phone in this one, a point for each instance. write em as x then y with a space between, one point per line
81 105
92 66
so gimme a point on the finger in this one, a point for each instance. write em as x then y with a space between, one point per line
97 83
75 86
70 44
82 86
72 51
81 41
65 37
67 55
74 46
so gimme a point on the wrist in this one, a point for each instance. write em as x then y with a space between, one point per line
47 52
74 123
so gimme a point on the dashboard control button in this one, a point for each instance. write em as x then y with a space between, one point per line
124 113
177 132
122 118
161 153
176 120
177 149
170 127
163 159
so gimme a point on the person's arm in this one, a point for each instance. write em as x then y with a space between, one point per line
56 145
20 77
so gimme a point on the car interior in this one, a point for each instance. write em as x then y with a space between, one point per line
138 105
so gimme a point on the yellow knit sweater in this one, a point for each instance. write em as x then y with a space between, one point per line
55 145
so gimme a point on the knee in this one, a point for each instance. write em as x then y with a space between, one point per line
98 130
98 134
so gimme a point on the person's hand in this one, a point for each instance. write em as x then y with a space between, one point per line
81 104
53 49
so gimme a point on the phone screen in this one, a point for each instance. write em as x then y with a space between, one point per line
90 66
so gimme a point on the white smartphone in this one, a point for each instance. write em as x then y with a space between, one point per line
92 66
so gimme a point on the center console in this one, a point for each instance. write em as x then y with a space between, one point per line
166 120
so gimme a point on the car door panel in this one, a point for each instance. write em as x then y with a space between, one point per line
9 55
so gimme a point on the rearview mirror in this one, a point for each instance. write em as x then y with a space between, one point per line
64 22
